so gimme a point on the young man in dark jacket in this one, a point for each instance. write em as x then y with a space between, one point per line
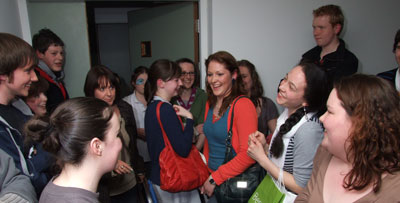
330 52
17 62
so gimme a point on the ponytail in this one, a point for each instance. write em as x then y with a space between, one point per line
277 144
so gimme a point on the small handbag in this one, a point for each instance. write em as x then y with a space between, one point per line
180 173
241 187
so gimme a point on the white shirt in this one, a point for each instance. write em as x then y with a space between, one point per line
139 111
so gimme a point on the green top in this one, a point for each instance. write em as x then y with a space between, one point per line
198 107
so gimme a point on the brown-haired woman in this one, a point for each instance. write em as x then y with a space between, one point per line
360 154
224 85
101 83
266 109
82 133
191 97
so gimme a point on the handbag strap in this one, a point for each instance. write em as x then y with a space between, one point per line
166 140
228 143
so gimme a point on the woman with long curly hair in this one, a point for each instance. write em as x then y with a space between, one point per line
358 160
266 109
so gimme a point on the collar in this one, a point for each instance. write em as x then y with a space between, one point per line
315 52
134 98
161 99
42 65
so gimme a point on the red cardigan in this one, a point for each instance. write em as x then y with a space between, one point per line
244 122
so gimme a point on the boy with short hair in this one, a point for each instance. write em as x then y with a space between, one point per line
330 52
17 62
50 51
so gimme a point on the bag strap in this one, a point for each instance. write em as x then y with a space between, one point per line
166 140
229 137
228 141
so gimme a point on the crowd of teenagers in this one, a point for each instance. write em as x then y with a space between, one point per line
337 138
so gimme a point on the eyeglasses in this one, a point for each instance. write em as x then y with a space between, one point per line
187 73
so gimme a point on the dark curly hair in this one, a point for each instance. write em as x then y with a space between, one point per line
316 93
374 109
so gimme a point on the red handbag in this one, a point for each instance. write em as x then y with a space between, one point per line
179 173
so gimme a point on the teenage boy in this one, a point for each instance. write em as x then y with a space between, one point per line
330 52
50 51
17 62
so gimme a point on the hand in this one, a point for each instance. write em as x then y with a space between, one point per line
199 128
256 150
141 134
208 188
180 111
259 136
122 168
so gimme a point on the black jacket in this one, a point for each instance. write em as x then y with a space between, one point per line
337 64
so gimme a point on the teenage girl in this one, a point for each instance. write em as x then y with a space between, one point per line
82 133
164 83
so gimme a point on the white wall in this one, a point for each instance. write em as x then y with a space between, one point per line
273 34
68 21
14 18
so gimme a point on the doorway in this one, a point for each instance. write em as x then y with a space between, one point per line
118 31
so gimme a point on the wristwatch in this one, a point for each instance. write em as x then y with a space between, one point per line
211 181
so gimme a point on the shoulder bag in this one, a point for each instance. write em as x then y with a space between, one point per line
241 187
180 173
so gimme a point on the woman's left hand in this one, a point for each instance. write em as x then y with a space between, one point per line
256 149
122 168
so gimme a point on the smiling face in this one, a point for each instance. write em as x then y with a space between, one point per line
337 124
37 104
188 75
171 87
291 90
246 77
53 57
324 33
19 82
220 79
105 91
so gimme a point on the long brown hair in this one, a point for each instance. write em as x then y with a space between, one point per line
374 108
230 64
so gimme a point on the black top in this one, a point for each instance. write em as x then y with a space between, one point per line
389 75
337 64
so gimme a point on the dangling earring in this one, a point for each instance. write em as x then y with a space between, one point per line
305 113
